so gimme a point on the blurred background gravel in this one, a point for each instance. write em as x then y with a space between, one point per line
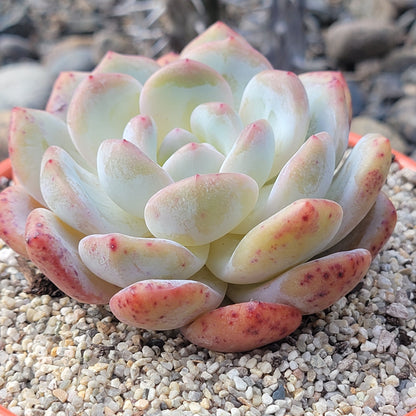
372 41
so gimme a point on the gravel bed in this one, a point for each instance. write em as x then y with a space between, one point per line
59 357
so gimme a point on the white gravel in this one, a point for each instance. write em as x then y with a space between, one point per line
58 357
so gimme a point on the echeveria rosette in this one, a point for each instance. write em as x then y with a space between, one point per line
205 191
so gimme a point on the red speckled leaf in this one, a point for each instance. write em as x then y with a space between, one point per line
373 231
53 246
242 326
165 304
313 286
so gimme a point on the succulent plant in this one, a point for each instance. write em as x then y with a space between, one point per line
205 191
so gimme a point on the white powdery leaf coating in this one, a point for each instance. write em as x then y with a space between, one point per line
170 95
123 260
330 107
291 236
173 141
141 130
216 123
128 176
74 195
193 159
31 133
280 98
101 107
202 208
308 174
139 67
358 182
253 152
234 59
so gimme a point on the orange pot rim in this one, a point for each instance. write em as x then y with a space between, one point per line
403 160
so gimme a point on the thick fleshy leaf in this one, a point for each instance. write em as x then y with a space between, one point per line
289 237
123 260
280 98
242 326
53 246
167 58
311 287
166 304
330 106
31 133
193 159
101 107
139 67
141 130
75 195
308 174
373 232
252 152
217 31
202 208
15 205
128 176
62 92
233 58
172 142
216 123
170 95
358 182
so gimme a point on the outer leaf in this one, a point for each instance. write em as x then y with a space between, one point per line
101 107
164 304
202 208
170 95
52 246
253 152
15 206
31 133
62 92
330 105
311 287
141 131
193 159
359 180
289 237
74 194
280 98
233 58
216 123
242 326
373 232
123 260
139 67
128 176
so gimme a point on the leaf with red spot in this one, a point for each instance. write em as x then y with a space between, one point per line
358 182
289 237
122 259
311 287
373 232
167 304
15 205
242 326
53 246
